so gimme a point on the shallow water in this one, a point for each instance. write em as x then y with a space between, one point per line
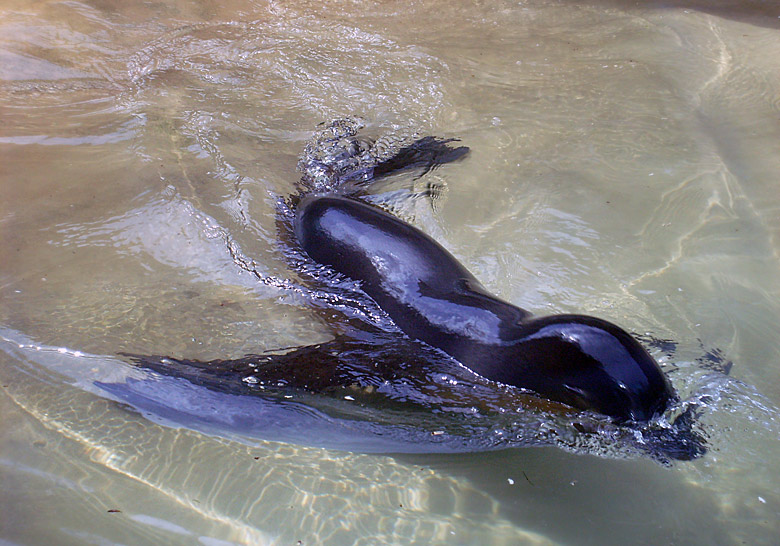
623 164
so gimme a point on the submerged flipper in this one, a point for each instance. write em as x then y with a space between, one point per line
365 365
425 155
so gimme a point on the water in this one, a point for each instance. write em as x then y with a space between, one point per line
623 164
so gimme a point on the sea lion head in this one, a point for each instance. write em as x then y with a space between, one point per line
591 364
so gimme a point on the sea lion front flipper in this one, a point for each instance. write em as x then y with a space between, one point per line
344 362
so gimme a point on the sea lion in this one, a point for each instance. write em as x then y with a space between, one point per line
564 363
582 361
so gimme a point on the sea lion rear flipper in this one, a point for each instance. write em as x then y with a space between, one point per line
425 154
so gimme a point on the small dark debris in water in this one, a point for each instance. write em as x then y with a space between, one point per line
257 458
714 360
400 506
667 346
113 511
527 479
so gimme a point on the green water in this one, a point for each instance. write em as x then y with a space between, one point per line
624 161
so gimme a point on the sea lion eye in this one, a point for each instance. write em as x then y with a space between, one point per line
579 395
